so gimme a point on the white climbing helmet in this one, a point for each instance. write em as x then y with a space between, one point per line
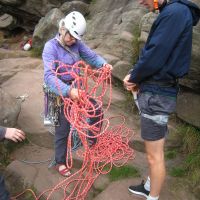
75 23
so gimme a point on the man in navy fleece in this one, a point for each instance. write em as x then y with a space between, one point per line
14 135
164 59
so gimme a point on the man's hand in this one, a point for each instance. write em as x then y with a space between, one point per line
128 85
14 134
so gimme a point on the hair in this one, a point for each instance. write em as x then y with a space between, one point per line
61 26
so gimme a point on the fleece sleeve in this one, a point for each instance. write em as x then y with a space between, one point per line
49 55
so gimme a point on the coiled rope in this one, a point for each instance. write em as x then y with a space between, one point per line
112 147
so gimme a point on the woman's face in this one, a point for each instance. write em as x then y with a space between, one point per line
69 39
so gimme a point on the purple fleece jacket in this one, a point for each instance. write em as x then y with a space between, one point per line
54 51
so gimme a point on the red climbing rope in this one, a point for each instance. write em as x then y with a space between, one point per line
111 149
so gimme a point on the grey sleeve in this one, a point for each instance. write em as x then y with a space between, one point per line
2 132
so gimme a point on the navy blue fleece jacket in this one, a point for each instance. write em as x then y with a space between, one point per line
2 132
167 53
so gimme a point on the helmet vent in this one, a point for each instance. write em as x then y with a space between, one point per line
74 23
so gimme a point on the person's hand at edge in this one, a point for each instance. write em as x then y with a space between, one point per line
14 134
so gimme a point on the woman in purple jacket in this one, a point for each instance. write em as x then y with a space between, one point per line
67 48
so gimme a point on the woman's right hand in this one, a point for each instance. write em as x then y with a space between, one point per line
74 94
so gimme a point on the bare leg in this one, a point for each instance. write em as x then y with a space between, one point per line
155 157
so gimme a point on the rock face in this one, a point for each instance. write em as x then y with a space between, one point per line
9 109
75 5
28 13
188 107
7 21
111 28
47 27
192 81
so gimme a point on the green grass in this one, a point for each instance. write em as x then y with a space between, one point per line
92 1
190 149
6 148
191 139
170 154
123 172
193 161
1 38
178 172
195 177
36 52
135 43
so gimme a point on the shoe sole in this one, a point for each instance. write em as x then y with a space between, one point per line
138 193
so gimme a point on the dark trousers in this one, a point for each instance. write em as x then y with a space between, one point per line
60 140
95 120
4 194
62 132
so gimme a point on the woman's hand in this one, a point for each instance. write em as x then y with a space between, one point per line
75 94
108 66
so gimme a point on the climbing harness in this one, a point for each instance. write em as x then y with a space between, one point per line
52 104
